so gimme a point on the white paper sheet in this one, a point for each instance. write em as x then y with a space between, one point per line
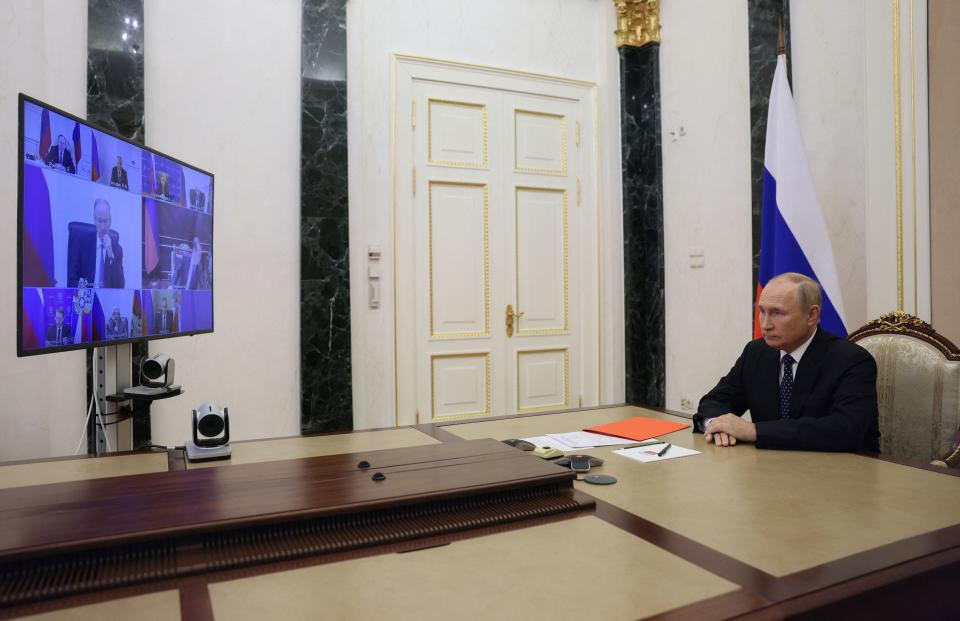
649 453
548 441
587 439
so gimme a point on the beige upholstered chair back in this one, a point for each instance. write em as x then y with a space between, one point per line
918 388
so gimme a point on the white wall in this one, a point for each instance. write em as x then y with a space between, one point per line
570 38
829 88
891 168
223 92
705 88
844 86
43 51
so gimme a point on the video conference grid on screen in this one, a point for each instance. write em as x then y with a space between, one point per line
117 240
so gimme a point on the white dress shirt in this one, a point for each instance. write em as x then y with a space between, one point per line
797 354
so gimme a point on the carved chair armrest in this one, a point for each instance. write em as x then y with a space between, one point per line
952 457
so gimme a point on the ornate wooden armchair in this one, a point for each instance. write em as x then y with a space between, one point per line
918 388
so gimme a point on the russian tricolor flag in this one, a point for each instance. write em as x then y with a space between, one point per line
76 142
46 136
94 159
793 234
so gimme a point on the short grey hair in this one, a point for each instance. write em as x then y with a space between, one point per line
808 290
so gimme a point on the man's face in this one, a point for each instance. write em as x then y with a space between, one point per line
163 304
62 142
119 162
116 314
783 323
59 317
101 216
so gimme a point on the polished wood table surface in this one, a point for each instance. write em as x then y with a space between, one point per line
733 532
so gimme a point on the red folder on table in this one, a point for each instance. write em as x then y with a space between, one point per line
638 428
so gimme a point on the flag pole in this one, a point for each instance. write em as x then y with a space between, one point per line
781 43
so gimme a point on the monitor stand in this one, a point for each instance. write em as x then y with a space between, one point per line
152 392
113 366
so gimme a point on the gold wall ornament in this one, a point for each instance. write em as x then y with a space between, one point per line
638 22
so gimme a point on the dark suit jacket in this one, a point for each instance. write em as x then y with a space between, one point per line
834 403
118 177
201 273
53 157
117 329
158 322
66 335
83 256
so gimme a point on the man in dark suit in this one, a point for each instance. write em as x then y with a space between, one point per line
163 319
117 326
118 176
97 257
192 270
59 156
59 333
163 185
805 388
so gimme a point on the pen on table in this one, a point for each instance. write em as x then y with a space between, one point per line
647 443
664 450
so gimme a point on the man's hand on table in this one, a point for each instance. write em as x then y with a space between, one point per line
726 430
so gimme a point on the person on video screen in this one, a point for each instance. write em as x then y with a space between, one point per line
59 156
163 319
117 326
118 176
136 326
98 257
163 185
59 333
192 272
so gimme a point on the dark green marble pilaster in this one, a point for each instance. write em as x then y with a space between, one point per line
115 101
642 173
325 376
764 19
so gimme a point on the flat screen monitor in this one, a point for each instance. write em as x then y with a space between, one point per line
115 240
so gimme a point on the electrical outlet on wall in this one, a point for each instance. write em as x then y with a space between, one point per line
686 404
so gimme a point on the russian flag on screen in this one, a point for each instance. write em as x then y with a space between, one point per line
76 142
94 159
45 134
793 235
151 235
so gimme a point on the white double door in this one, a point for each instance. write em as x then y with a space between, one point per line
503 243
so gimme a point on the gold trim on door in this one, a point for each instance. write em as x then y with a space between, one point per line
566 380
458 104
433 386
486 260
566 260
562 171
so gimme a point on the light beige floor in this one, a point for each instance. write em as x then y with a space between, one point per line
582 568
161 606
314 446
779 511
40 473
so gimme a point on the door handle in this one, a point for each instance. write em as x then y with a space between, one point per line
512 317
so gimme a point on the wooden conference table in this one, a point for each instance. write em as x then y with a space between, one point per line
732 533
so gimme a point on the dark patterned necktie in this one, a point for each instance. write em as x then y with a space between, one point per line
786 386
